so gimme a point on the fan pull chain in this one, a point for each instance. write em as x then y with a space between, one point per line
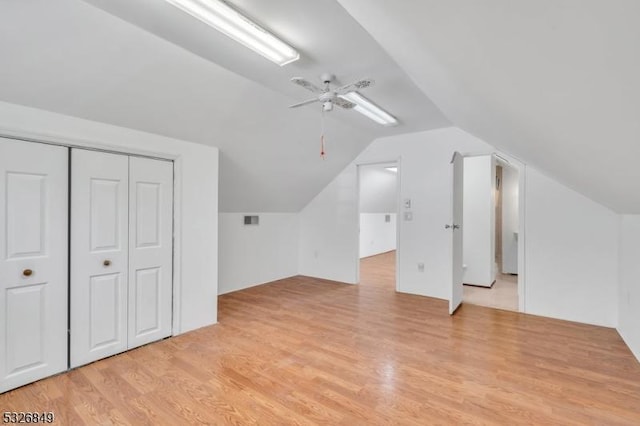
322 153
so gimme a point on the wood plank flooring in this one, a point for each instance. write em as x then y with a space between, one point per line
306 351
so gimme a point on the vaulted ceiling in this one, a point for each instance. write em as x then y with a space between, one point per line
555 83
552 82
146 65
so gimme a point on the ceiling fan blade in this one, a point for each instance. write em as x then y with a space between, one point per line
361 84
306 84
343 103
308 101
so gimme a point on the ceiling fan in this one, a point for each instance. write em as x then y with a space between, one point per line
329 96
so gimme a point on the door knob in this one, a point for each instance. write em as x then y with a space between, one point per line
107 262
27 272
447 226
456 226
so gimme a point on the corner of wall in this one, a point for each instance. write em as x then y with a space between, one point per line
328 245
629 282
257 254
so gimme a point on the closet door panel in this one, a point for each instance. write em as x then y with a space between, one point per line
99 254
150 250
33 261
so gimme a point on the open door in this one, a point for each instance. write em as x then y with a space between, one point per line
457 165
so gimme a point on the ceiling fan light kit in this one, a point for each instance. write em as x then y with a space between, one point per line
346 97
367 108
219 15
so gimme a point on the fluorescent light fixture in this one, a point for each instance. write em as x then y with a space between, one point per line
393 169
365 107
228 21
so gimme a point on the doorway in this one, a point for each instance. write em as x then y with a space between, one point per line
492 201
378 224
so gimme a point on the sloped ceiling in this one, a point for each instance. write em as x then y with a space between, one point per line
556 83
145 65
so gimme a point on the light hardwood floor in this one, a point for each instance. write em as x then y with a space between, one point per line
502 295
307 351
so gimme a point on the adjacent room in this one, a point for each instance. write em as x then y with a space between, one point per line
491 232
339 212
378 207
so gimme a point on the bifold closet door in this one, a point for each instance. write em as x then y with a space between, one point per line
150 250
121 253
99 254
33 261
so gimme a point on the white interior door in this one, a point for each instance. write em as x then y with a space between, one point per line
99 254
150 250
33 261
457 165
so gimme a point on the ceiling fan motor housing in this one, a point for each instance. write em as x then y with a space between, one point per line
327 78
327 95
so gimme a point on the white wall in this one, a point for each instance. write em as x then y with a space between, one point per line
257 254
478 221
378 190
425 179
571 242
424 173
329 231
510 220
376 235
196 203
571 253
629 289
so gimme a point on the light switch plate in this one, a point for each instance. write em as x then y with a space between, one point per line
408 216
407 203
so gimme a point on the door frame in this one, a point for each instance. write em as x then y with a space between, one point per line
397 161
174 157
522 175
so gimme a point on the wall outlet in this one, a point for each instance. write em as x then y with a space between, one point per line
420 267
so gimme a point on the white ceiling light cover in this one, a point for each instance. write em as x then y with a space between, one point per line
367 108
219 15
